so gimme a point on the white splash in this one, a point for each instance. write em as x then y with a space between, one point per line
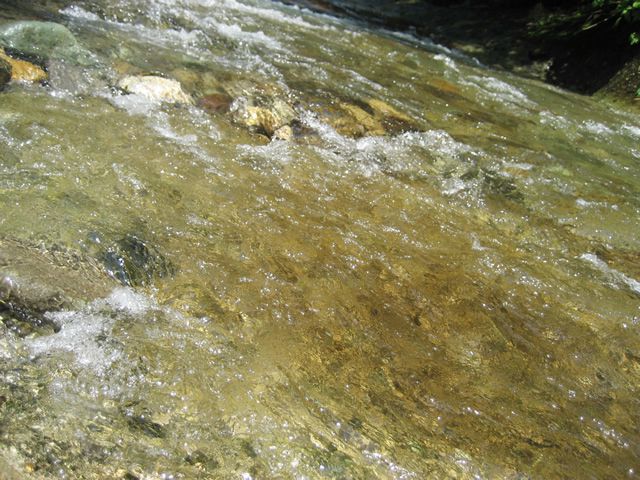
596 128
500 91
614 276
87 333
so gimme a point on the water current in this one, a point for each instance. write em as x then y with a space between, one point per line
435 273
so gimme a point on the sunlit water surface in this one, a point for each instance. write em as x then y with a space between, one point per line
461 300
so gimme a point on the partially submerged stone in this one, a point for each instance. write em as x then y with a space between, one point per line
268 109
357 122
47 40
264 119
283 133
386 110
22 71
154 88
263 108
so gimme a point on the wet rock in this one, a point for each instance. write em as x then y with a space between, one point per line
283 133
201 460
355 118
197 81
123 68
22 71
386 110
445 86
263 119
143 422
263 108
501 185
156 89
374 117
5 72
624 260
134 262
35 280
357 122
46 40
215 103
392 120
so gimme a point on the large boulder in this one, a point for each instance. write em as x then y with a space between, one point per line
46 40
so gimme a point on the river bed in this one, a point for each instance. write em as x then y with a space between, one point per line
444 286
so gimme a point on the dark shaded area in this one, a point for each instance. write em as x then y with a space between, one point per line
5 72
35 10
567 43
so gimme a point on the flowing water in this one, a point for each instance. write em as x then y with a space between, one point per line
456 298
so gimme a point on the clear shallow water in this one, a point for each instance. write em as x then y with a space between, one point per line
457 301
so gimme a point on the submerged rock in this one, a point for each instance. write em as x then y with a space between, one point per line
356 122
135 262
35 280
76 79
501 185
196 80
215 103
355 119
156 89
46 40
22 71
392 120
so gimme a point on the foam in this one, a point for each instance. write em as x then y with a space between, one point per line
269 14
596 128
496 89
75 11
86 333
234 32
614 276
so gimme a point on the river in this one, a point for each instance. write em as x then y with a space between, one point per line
433 271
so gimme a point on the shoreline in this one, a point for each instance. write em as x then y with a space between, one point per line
535 41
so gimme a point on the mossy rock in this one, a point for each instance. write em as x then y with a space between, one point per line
46 40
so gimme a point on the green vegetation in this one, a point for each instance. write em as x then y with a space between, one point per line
618 10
